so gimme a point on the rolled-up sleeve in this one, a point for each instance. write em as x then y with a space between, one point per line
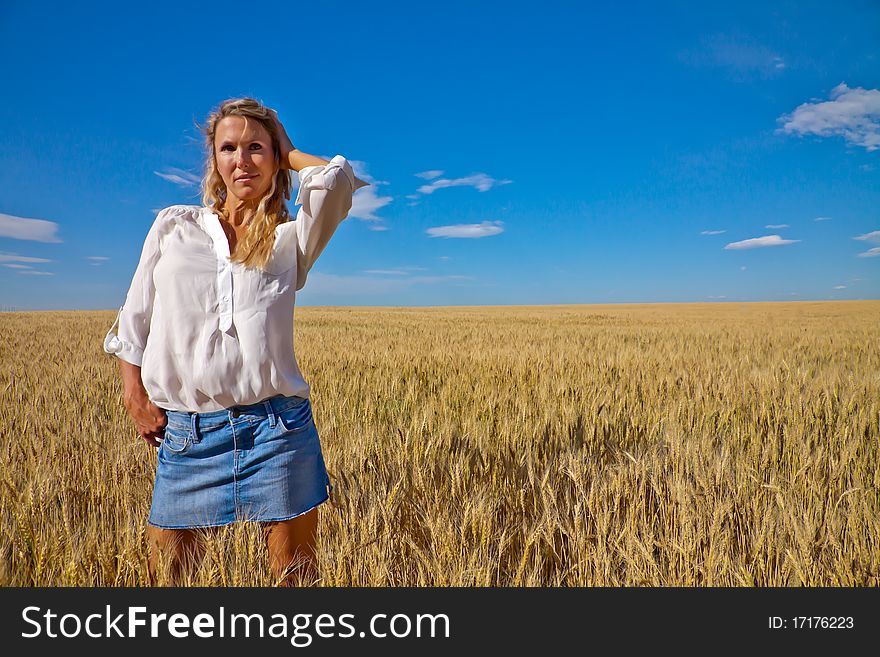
133 319
325 193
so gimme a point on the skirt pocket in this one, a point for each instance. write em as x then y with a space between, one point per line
297 417
177 439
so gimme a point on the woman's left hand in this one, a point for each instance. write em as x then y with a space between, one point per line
285 145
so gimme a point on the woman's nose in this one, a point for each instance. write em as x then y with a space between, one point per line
242 159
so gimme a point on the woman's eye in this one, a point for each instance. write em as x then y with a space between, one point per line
229 147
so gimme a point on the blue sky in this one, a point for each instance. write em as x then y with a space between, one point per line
552 153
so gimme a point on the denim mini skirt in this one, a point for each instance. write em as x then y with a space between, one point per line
258 462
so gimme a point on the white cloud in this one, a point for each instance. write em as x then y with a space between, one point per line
97 258
822 219
866 167
14 257
480 181
13 265
332 284
717 296
34 272
873 236
398 271
776 226
840 287
179 177
427 175
870 253
360 171
21 228
440 279
712 232
443 257
366 202
484 229
743 268
853 114
760 242
740 55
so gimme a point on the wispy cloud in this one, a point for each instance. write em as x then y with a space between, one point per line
5 256
22 228
367 201
13 265
97 260
480 181
741 56
873 236
428 175
822 219
179 177
397 271
760 242
716 296
34 272
853 114
333 284
712 232
484 229
776 226
840 287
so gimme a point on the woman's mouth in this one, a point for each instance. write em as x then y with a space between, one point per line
246 178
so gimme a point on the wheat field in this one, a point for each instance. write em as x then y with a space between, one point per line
617 445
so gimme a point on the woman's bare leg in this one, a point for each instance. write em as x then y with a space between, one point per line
291 546
180 547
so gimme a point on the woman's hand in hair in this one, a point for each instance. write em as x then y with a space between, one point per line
285 145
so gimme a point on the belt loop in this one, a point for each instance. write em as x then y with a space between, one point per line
270 412
195 427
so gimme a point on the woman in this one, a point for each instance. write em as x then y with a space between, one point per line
205 343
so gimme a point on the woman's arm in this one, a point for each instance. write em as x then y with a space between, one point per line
297 160
325 197
129 341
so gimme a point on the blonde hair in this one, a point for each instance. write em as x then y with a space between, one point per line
255 248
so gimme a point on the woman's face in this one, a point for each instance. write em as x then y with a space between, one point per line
245 157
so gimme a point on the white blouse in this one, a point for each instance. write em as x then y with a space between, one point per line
209 333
